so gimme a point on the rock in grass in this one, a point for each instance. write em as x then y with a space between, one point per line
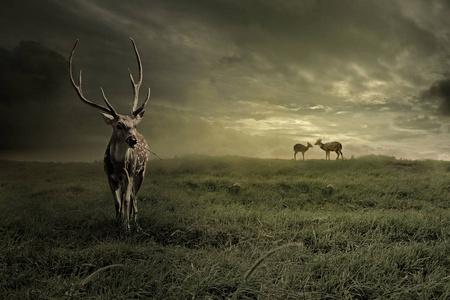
235 188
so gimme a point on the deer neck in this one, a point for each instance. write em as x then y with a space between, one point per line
119 150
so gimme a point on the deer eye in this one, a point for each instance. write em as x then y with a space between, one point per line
119 126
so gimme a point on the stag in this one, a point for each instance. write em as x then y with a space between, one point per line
126 154
301 148
327 147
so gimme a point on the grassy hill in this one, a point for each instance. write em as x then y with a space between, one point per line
366 228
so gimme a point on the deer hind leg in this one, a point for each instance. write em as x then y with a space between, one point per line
295 155
339 152
303 154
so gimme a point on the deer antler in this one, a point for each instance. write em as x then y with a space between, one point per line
109 110
137 85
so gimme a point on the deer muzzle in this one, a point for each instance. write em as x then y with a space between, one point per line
131 141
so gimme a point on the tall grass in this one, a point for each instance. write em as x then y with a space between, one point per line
380 231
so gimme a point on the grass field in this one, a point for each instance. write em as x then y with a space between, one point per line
381 232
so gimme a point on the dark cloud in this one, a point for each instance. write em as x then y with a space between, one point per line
437 97
228 76
442 90
34 83
31 72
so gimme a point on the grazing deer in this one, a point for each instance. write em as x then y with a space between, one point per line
126 154
333 146
301 148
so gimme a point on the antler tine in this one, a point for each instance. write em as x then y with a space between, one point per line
79 90
141 108
135 85
113 111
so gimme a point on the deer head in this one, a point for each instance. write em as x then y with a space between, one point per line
318 142
309 145
124 126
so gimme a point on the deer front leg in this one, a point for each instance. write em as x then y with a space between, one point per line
127 197
125 207
122 201
134 210
134 198
134 202
117 193
117 203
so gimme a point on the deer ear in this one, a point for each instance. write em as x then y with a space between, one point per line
108 118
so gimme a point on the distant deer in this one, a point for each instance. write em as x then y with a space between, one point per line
301 148
333 146
126 154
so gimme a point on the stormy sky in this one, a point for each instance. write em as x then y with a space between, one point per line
249 78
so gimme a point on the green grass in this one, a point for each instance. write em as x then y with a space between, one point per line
381 232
